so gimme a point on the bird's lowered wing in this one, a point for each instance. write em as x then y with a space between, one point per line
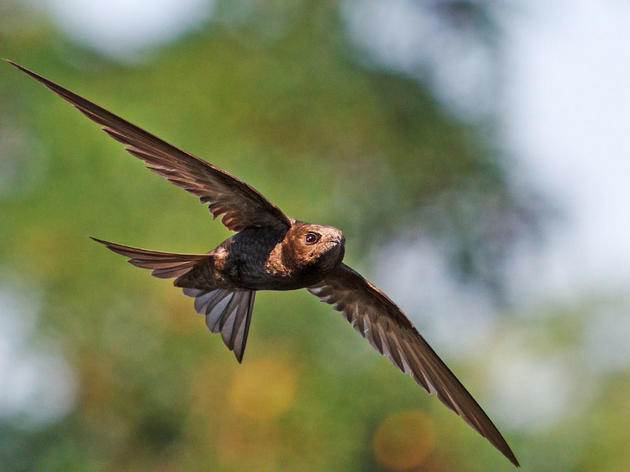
241 205
389 331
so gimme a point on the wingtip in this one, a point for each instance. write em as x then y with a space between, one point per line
15 64
101 241
29 72
504 448
511 457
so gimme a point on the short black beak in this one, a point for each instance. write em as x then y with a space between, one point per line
339 240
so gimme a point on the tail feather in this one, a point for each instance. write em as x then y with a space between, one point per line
227 311
164 265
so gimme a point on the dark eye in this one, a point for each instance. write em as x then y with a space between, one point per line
312 238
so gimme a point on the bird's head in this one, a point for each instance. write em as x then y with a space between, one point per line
312 245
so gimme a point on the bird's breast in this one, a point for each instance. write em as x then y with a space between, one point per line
261 260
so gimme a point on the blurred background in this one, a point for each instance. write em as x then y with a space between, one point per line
475 155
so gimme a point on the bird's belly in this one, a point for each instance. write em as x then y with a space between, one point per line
278 282
263 271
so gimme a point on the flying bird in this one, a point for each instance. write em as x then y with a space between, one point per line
272 251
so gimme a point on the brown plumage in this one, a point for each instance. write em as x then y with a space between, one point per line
271 251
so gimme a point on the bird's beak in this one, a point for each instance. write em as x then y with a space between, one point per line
338 240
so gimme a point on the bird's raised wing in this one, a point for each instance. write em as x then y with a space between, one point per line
241 205
389 331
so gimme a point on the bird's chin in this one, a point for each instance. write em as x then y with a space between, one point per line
332 257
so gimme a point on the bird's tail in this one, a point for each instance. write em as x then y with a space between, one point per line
227 311
165 265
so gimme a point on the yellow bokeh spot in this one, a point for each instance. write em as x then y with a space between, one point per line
207 388
262 389
404 440
249 445
181 316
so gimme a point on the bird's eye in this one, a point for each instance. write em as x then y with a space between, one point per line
312 238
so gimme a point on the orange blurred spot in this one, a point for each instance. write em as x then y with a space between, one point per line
207 388
98 382
182 317
404 440
262 389
248 445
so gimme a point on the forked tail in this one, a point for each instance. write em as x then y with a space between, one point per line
227 310
165 265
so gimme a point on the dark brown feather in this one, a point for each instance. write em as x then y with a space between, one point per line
165 265
241 205
380 321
